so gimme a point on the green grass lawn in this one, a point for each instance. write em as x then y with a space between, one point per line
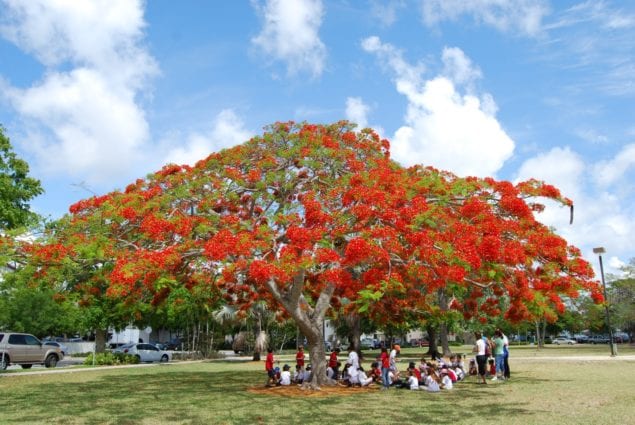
542 391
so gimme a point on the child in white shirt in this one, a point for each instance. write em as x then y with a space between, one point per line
307 374
363 379
413 382
432 382
446 381
285 376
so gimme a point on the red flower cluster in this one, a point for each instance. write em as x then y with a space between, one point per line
220 245
156 228
261 272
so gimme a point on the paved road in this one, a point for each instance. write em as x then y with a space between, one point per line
66 362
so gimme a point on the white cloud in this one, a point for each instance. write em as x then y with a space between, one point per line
357 111
458 67
591 135
593 11
98 130
96 68
523 16
100 34
560 167
600 218
444 128
227 130
386 11
290 34
609 172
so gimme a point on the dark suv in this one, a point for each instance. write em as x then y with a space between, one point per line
598 339
26 350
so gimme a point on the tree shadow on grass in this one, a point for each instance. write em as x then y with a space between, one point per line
222 397
170 396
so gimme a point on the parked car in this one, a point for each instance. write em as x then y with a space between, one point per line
598 339
26 350
564 341
160 345
144 352
173 344
366 343
62 347
581 338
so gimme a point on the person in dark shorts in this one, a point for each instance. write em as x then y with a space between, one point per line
481 357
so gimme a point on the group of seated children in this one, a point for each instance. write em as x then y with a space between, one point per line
432 376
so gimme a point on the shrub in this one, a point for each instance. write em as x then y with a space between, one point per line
110 359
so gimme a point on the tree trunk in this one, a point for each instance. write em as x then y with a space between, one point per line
310 321
540 332
443 336
433 349
354 323
443 327
257 329
100 340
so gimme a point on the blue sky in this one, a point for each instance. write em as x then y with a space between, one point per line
95 94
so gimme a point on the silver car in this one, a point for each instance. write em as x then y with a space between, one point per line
563 340
26 350
61 346
144 352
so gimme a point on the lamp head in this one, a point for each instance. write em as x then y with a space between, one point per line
599 250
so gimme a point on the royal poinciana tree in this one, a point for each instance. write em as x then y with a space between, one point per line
311 217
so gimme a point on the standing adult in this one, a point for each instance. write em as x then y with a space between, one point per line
481 357
396 349
385 368
353 361
505 355
499 355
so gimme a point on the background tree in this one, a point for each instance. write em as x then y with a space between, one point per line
622 299
34 309
17 189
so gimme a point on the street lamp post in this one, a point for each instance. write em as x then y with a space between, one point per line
599 251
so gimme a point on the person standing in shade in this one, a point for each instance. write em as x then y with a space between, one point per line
299 358
499 355
271 373
353 361
396 349
481 357
385 368
334 364
506 355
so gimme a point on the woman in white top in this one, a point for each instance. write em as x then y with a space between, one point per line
481 358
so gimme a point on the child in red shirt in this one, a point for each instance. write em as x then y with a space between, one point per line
333 363
385 368
299 357
271 373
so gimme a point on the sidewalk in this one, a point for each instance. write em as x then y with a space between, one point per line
44 371
594 358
